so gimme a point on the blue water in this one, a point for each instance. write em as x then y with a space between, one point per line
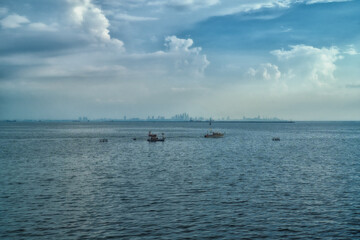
57 181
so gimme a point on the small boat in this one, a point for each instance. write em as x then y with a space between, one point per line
103 140
154 138
276 139
212 134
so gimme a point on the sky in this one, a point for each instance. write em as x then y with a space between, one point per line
291 59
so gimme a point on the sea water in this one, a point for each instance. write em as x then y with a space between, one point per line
57 181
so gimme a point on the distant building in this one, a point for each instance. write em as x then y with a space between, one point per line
259 118
83 119
181 117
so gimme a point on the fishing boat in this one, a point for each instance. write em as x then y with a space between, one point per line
154 138
212 134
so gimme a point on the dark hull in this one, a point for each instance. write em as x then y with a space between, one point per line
156 140
215 135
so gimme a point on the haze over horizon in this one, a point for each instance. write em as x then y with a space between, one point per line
291 59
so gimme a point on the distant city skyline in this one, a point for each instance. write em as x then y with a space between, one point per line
178 117
293 59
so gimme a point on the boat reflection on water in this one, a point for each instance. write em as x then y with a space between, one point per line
154 138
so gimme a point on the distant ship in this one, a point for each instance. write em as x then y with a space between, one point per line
212 134
154 138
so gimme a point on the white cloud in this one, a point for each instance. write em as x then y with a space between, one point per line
16 21
39 26
131 18
186 58
177 44
252 72
270 71
92 20
13 21
191 4
266 71
309 63
209 7
229 6
179 62
184 4
351 50
325 1
248 6
125 3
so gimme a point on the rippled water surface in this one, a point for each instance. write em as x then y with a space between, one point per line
57 181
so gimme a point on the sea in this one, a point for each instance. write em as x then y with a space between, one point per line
58 181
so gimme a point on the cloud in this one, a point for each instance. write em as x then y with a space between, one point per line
131 18
254 6
325 1
176 44
16 21
84 14
351 50
186 57
125 3
67 68
178 62
13 21
225 6
184 4
101 79
266 71
39 26
191 4
309 63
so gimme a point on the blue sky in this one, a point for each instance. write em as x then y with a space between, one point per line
293 59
